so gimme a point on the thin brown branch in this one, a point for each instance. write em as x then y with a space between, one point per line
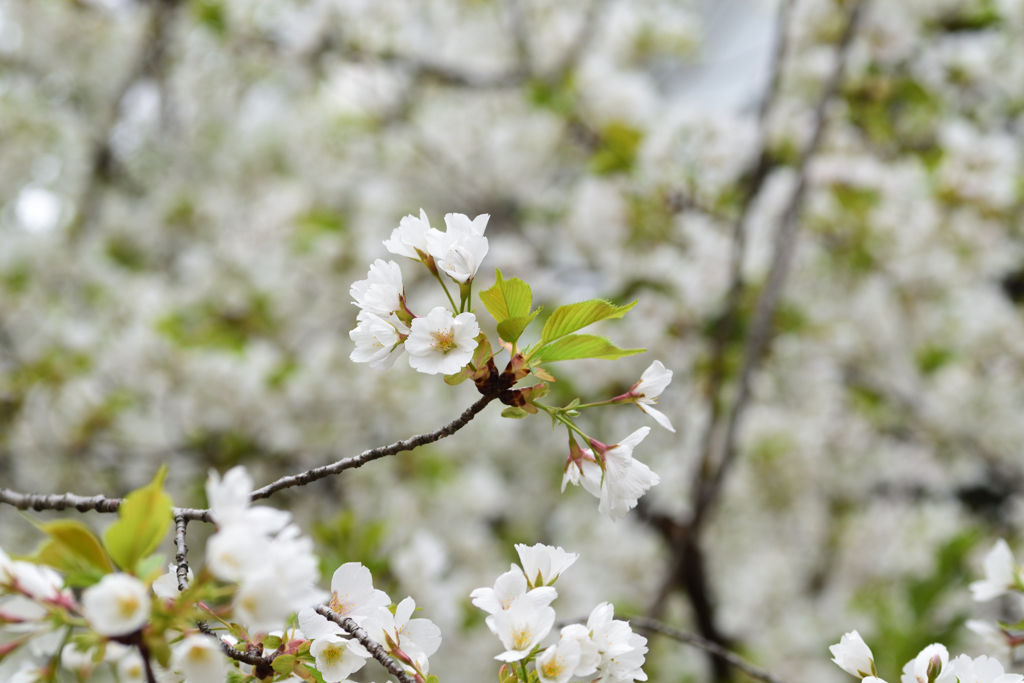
717 650
372 646
39 502
181 551
375 453
759 337
261 662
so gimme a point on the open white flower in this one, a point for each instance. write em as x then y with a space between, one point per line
1001 574
590 656
230 501
382 291
352 595
409 239
853 655
557 663
626 479
645 392
622 651
543 564
377 341
521 628
982 670
119 604
417 638
442 343
200 659
459 251
507 588
337 657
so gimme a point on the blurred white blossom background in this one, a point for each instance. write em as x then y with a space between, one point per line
189 187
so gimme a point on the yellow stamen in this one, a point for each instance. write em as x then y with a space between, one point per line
444 340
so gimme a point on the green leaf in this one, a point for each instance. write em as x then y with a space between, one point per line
72 547
143 520
284 664
237 677
514 413
271 643
567 319
510 330
458 378
581 346
507 299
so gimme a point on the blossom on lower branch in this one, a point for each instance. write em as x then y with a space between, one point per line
611 473
606 649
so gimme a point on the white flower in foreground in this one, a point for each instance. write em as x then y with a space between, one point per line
930 666
982 670
590 656
166 586
409 239
459 251
352 595
119 604
542 564
337 657
416 638
645 392
377 341
381 293
521 628
853 655
622 651
35 581
1001 574
507 588
557 663
625 478
200 659
442 343
29 673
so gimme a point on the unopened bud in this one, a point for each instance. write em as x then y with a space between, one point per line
505 674
934 668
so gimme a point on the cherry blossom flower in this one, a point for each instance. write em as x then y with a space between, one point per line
557 663
230 501
337 657
930 666
352 595
442 343
119 604
459 251
409 239
200 659
381 293
507 588
521 628
646 391
853 655
1001 574
982 670
378 341
622 651
411 641
543 564
590 656
625 478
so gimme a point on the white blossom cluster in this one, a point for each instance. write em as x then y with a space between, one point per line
521 616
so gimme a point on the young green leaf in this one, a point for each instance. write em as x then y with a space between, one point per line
507 298
577 346
567 319
284 664
143 520
514 413
510 330
72 546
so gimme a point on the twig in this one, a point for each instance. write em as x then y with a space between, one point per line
39 502
374 648
181 551
785 245
251 658
374 454
704 644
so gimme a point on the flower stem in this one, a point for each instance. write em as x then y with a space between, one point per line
437 275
